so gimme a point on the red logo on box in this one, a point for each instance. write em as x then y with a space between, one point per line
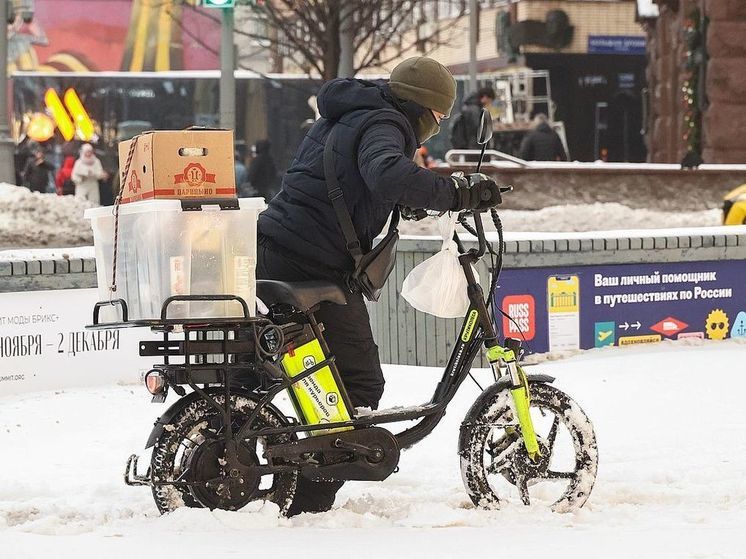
522 309
134 185
194 175
669 326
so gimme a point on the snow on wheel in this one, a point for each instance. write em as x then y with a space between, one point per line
496 467
191 450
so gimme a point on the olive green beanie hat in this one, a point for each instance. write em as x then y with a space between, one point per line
426 82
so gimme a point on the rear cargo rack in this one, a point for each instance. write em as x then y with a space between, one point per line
164 323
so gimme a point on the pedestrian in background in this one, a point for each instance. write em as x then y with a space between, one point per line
36 172
87 171
542 143
466 124
422 158
64 179
262 171
240 172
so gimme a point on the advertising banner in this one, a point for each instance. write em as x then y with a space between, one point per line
582 307
115 35
44 344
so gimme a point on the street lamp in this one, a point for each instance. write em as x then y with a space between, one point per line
11 9
227 62
24 8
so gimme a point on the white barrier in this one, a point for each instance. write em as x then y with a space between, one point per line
44 344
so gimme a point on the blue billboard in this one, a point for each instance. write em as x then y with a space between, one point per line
582 307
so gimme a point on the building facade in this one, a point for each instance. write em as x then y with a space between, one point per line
697 77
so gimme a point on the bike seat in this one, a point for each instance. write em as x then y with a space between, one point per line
302 294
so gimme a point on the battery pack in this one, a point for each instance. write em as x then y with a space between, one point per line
317 397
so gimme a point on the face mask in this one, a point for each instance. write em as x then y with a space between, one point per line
426 126
422 119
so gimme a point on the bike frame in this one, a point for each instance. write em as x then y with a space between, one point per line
476 330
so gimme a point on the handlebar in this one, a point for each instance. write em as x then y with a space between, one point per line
478 230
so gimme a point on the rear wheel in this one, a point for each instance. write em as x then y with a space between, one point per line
496 467
192 452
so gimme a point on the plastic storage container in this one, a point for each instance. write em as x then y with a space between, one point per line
165 250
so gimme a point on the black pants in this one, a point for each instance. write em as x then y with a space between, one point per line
347 332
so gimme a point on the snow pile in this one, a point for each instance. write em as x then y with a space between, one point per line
32 219
582 217
671 481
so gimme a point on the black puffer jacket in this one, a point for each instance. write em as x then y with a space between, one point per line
542 144
374 146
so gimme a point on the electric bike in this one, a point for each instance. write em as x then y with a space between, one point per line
225 443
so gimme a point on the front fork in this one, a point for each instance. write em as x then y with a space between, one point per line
498 357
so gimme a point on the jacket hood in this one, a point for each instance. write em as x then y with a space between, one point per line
544 127
343 95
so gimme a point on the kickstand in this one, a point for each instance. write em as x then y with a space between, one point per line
130 473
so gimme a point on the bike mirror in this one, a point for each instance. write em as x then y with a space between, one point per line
484 134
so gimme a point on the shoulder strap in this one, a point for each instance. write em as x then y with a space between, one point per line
338 201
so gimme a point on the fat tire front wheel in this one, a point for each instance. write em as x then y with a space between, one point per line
494 461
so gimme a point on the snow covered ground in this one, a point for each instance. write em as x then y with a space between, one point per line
670 421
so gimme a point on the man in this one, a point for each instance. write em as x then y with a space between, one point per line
542 143
36 172
240 172
262 172
377 130
465 125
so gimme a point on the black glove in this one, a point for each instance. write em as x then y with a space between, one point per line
476 192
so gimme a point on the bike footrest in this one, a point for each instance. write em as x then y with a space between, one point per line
131 477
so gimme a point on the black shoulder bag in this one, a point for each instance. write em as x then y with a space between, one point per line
373 268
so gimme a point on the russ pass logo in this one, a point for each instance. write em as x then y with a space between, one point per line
522 310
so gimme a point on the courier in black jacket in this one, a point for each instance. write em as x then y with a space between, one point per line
378 129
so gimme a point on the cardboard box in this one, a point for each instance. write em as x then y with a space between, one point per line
178 164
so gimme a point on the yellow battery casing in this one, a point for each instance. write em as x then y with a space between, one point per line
317 396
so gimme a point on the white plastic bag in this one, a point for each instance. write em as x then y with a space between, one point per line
438 285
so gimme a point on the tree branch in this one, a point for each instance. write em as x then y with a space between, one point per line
308 30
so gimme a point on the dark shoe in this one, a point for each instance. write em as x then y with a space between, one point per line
314 496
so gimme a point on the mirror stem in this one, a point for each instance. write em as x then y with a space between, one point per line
481 156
